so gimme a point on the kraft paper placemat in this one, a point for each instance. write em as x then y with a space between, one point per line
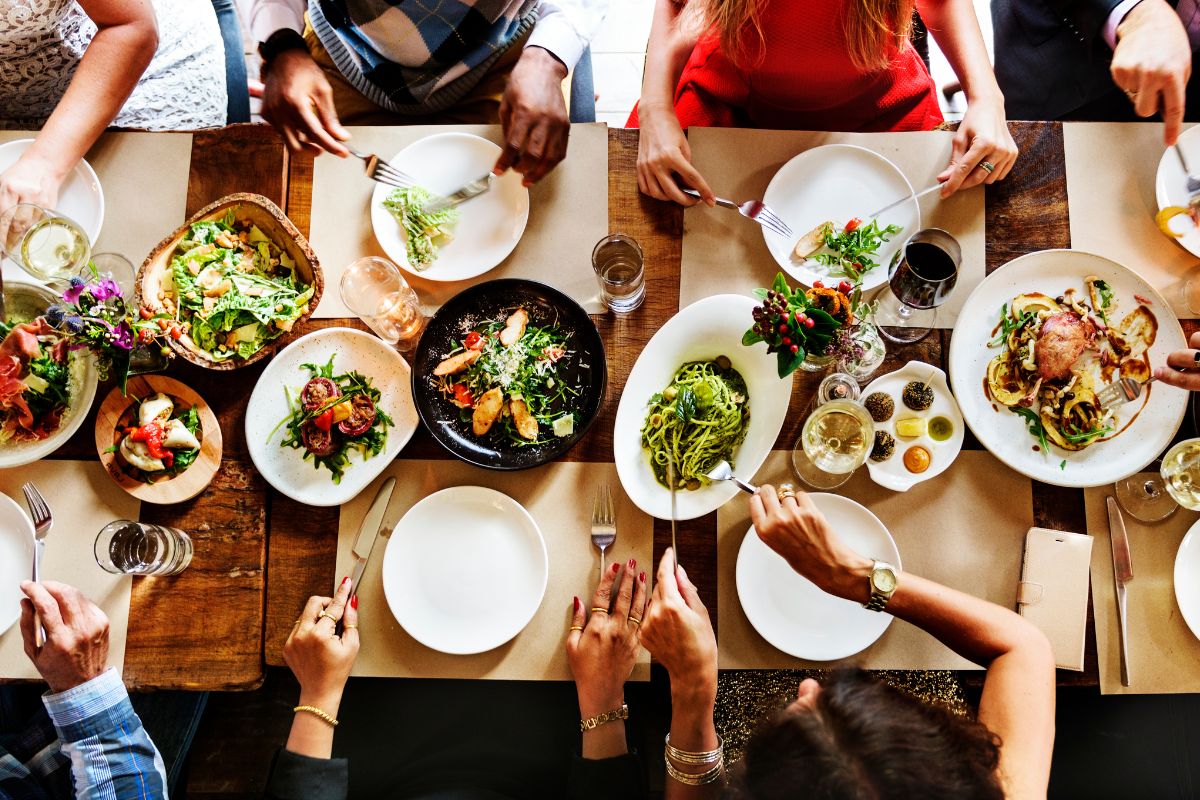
965 529
1164 655
1111 169
559 496
723 253
83 499
568 214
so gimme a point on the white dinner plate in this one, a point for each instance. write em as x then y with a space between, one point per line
1170 186
285 467
1002 432
838 182
1187 578
790 612
465 570
489 226
892 474
704 330
16 559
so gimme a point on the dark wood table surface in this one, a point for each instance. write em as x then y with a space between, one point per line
259 555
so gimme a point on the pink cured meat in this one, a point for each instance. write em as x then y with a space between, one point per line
1064 338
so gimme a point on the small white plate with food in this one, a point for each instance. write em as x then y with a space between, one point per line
1176 217
697 369
16 559
1037 339
1187 578
837 185
918 426
464 241
790 612
328 414
465 570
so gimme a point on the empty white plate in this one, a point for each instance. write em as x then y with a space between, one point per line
791 613
465 570
838 182
489 226
16 559
1187 578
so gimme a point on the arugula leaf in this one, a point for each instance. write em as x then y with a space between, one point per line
1063 465
1034 423
1086 436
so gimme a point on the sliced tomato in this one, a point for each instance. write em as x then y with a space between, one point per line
324 420
463 395
474 341
853 224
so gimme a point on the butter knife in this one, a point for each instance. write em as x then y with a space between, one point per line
368 531
461 194
671 481
1122 574
914 196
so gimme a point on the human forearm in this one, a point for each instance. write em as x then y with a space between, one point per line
607 740
667 52
692 730
955 27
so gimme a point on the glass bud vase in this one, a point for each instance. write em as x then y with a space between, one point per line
816 363
869 352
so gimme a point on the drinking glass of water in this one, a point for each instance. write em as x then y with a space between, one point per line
125 547
617 260
377 293
921 276
47 245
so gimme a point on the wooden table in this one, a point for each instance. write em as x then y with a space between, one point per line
259 555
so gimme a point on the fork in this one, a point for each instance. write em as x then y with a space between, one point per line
42 520
723 472
1193 181
381 171
1120 392
752 209
604 526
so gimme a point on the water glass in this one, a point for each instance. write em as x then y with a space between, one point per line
42 242
617 260
374 290
115 266
921 276
126 547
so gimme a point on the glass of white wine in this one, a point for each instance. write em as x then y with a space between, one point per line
47 245
835 441
1151 497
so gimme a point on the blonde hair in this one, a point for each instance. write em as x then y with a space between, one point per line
874 29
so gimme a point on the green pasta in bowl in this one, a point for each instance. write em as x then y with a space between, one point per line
697 421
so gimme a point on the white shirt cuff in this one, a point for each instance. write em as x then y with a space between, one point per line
269 18
555 33
1115 18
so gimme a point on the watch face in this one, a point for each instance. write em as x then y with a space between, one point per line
884 580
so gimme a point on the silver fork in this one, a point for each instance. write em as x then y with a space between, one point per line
381 171
42 520
1193 181
1120 392
604 525
752 209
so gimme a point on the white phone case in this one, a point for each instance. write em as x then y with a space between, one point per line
1053 593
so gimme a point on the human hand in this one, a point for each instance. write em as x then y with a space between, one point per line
982 137
663 153
298 102
31 179
1183 367
533 113
796 529
76 648
602 655
318 657
1152 63
678 632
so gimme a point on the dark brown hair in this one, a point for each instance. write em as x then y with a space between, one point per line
864 740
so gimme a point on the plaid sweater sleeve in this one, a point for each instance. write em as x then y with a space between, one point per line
110 753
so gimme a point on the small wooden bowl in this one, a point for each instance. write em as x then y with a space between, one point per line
276 226
186 484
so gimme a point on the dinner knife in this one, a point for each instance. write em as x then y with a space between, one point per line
1122 574
916 196
671 482
368 531
461 194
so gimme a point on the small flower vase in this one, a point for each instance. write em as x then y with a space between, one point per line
815 363
868 352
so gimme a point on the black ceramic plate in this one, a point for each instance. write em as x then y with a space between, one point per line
584 368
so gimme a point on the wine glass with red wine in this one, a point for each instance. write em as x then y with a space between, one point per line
921 276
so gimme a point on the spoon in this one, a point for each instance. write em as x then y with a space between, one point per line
723 472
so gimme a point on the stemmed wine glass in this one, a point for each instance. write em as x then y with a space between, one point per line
921 276
1151 497
835 441
44 243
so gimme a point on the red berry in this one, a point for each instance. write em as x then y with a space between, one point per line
795 348
787 340
801 316
783 328
808 323
818 284
844 287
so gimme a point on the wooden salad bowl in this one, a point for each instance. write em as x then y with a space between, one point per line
156 269
187 484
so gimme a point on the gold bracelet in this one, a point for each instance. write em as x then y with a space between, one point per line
588 724
318 713
702 758
699 779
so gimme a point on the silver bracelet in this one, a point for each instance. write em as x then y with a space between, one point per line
702 758
699 779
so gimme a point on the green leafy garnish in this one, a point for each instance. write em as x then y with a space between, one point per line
854 251
1008 325
424 231
1034 423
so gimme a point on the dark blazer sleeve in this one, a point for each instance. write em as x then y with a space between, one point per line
1086 17
297 777
607 778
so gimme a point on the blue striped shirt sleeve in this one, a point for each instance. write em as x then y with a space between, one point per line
110 753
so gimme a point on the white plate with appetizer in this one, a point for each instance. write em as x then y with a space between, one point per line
328 414
16 559
790 612
1175 217
465 570
1187 578
696 368
80 198
461 242
1037 339
56 398
823 191
158 439
918 426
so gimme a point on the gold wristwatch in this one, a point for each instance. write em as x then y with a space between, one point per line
883 585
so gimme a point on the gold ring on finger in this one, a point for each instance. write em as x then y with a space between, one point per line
350 626
987 166
635 620
599 610
785 491
577 628
328 616
1131 95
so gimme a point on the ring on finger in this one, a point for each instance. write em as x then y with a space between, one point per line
328 616
785 491
635 620
577 627
987 167
1131 94
1196 357
350 626
599 610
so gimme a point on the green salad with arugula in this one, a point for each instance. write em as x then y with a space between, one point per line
235 289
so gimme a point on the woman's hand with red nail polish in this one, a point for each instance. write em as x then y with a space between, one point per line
319 657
